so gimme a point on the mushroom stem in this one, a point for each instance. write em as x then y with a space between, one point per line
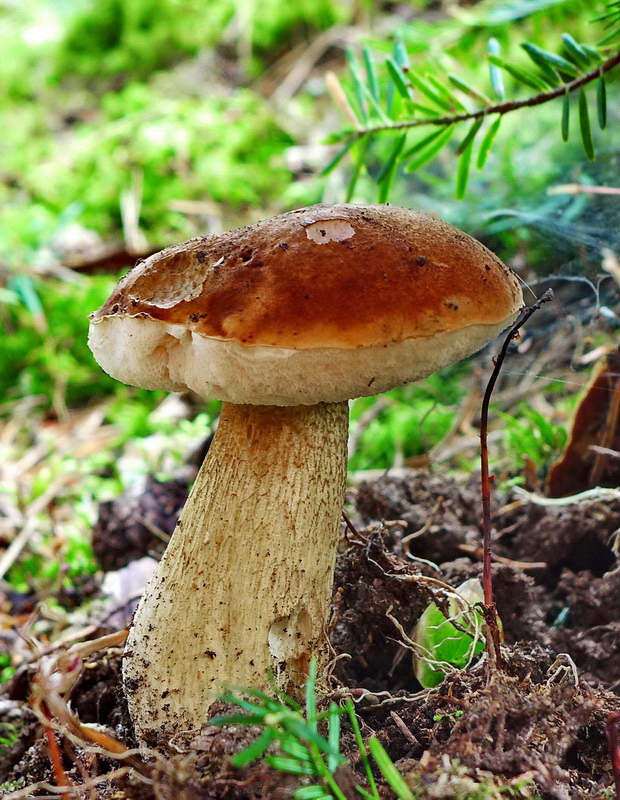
243 589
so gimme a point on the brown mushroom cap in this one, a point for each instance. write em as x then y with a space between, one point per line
319 304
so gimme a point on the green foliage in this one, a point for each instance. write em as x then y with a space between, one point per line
12 786
8 733
55 358
290 741
113 38
529 435
416 418
73 558
220 149
399 100
441 645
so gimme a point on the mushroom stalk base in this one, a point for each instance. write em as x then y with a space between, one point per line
242 592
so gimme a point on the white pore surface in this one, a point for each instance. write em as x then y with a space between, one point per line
157 355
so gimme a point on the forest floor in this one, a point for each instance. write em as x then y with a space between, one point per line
534 728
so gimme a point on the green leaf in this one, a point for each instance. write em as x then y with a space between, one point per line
337 158
540 57
426 90
445 643
565 116
592 52
358 83
23 287
431 150
426 110
310 696
312 793
446 93
487 141
293 748
422 143
385 178
576 51
584 124
462 173
474 93
613 34
371 73
290 765
359 741
497 82
238 719
337 136
401 56
389 771
521 75
469 136
601 102
396 75
255 750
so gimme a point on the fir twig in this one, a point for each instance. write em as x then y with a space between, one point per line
502 108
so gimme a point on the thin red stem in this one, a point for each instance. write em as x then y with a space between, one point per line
613 738
485 480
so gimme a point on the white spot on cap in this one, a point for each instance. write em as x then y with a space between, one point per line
330 230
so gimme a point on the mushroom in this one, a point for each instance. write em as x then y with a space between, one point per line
284 321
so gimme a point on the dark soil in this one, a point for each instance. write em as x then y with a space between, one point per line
479 730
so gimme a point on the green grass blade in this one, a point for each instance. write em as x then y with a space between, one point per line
366 795
601 102
462 173
584 124
311 697
497 81
292 747
312 793
487 142
255 750
333 737
238 719
565 116
290 765
389 771
431 150
359 741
